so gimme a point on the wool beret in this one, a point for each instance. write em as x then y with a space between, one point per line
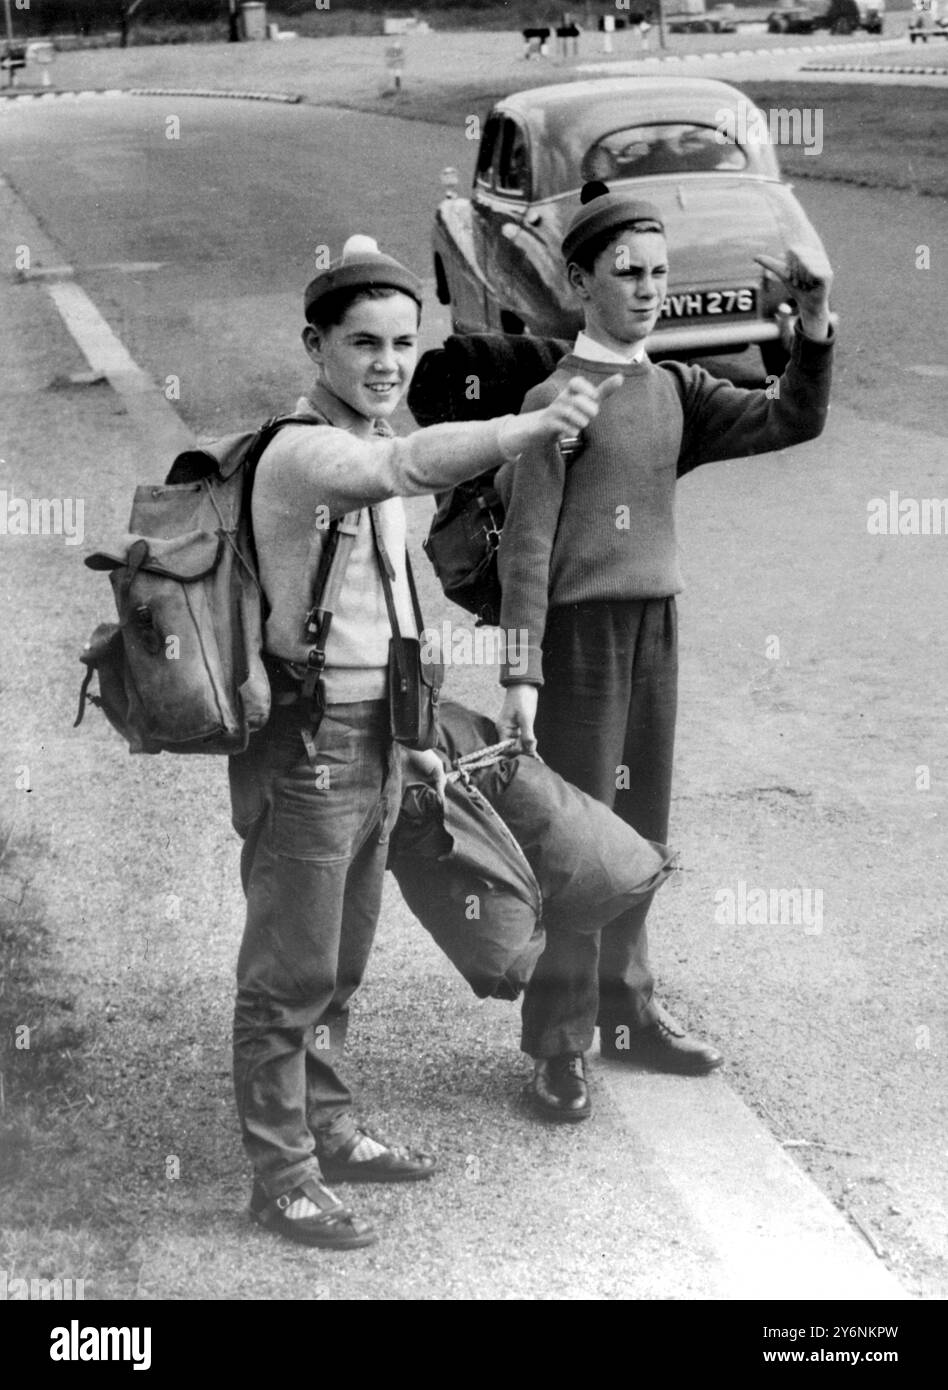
361 266
601 211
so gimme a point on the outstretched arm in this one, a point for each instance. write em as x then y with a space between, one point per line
723 421
319 465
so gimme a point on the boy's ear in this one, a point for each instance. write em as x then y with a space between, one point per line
577 278
313 343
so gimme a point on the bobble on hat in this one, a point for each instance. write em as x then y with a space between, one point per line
361 266
600 211
358 246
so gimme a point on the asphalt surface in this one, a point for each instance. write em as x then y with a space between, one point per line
795 770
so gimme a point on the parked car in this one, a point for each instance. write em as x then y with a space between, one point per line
799 20
684 144
839 17
846 16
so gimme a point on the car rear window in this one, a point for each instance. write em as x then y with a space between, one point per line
636 151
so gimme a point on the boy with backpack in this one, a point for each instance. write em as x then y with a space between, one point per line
318 789
588 568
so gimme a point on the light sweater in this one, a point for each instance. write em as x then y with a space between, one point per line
603 527
310 474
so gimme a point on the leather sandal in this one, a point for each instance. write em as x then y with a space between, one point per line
335 1228
394 1165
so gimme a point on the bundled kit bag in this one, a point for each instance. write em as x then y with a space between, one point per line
515 851
181 670
470 885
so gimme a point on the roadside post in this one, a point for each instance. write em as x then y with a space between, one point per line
254 19
567 34
395 62
13 55
42 53
662 31
608 24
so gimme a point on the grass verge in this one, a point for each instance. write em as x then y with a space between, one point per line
54 1160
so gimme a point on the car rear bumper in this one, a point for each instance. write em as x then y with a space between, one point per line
689 337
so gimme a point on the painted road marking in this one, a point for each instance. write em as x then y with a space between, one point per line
106 353
43 272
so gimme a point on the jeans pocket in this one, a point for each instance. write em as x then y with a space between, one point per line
317 806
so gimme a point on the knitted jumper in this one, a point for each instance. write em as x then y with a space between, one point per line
603 526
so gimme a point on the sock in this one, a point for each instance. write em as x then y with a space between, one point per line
300 1208
365 1149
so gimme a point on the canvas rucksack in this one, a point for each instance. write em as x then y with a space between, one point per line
181 671
473 377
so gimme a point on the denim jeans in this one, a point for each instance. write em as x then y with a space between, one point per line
608 703
312 865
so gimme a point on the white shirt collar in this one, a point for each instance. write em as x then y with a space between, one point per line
595 352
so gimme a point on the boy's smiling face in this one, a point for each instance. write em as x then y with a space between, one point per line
367 360
623 293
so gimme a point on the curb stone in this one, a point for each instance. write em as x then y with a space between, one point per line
857 67
288 98
732 55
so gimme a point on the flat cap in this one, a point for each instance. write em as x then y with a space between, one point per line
361 266
601 211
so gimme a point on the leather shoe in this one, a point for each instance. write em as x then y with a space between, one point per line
663 1045
334 1228
394 1165
558 1090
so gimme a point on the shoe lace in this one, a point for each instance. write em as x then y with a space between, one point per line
569 1065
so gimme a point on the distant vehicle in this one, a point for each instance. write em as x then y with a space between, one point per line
702 24
799 20
846 16
925 26
840 17
684 144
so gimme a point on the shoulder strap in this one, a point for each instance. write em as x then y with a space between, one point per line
387 574
327 586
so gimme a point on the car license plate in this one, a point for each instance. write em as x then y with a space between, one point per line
694 304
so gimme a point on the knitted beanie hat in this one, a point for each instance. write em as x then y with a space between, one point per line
601 211
361 266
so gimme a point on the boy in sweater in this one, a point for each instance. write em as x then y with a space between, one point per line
589 569
315 798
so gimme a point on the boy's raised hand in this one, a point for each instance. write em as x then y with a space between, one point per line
576 406
807 277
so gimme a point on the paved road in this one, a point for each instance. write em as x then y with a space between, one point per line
796 769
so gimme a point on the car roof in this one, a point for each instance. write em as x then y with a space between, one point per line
567 118
640 99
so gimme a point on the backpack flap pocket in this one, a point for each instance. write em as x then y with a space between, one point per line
175 676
